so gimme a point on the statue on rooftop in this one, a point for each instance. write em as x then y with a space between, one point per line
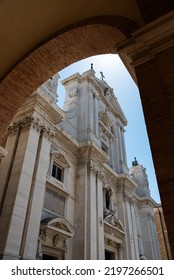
135 162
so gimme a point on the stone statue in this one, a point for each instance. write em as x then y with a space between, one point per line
135 162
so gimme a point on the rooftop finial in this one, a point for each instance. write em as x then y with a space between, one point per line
102 76
135 162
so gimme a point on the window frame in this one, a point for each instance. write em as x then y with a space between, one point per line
58 167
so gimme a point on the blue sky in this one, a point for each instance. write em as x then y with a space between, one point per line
127 93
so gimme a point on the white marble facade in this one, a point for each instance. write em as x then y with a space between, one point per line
66 191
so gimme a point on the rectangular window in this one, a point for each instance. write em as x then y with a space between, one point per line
54 202
57 172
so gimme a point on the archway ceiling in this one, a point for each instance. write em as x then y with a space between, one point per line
28 23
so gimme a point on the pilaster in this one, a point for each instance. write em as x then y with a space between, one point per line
151 51
32 222
89 229
17 190
18 186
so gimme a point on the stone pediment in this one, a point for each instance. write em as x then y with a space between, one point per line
59 226
54 233
60 158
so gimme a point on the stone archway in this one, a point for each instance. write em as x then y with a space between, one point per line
150 48
92 36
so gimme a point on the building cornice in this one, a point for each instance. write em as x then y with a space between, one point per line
41 104
148 41
92 151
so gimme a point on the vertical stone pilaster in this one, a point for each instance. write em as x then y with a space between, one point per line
96 114
146 233
129 228
111 153
120 252
7 164
81 212
92 225
153 63
90 114
32 223
123 146
155 251
135 233
89 237
15 203
116 153
120 150
100 225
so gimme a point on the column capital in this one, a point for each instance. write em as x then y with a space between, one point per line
33 122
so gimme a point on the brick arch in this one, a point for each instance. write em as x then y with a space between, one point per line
92 36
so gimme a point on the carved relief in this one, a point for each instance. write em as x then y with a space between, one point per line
59 242
112 218
101 176
54 233
35 123
93 168
21 125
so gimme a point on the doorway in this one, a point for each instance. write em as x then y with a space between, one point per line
109 255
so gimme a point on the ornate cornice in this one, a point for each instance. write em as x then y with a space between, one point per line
90 150
40 104
126 180
21 125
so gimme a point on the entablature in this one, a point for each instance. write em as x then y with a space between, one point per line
40 104
90 150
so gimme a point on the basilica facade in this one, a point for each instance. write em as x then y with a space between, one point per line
66 191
